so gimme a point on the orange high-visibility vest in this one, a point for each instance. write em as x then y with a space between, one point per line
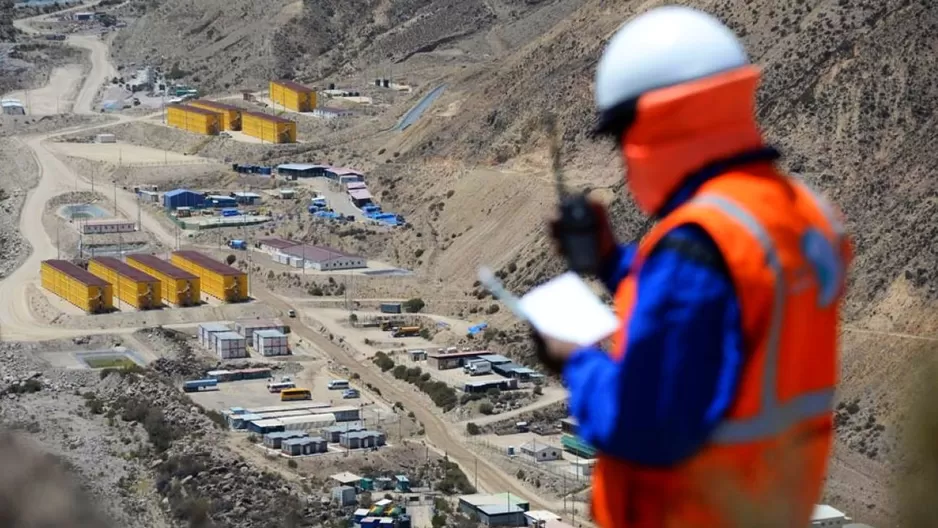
768 456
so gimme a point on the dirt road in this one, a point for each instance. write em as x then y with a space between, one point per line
438 432
55 178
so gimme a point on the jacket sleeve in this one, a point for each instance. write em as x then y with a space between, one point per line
617 267
658 404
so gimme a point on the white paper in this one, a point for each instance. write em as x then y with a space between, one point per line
566 309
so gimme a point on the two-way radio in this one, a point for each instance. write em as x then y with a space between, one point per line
577 226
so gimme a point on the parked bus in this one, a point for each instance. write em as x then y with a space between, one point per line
277 386
202 384
295 394
337 384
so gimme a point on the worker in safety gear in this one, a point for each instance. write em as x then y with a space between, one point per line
718 386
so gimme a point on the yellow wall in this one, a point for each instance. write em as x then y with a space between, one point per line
181 292
228 288
229 119
199 123
92 299
267 130
139 294
292 99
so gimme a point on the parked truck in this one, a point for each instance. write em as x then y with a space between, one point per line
237 244
477 367
406 331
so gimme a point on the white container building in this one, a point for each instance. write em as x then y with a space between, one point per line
207 331
247 327
271 343
230 345
105 138
110 225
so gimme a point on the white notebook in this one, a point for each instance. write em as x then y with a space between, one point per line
565 308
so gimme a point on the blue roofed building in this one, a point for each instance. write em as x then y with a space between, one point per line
182 198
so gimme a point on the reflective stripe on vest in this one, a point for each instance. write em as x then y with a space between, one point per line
774 417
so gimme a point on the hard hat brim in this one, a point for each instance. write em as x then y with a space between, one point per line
615 121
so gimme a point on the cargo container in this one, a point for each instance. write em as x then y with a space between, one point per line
229 115
229 345
179 287
269 128
206 333
391 308
247 327
134 287
77 286
193 119
216 278
292 95
271 343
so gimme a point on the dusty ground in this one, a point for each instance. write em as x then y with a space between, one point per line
20 175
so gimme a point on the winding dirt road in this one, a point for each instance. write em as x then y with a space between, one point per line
56 177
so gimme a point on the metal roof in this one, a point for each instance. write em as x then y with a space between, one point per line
271 422
495 359
80 274
122 268
301 166
177 192
266 117
360 194
215 104
278 243
287 434
315 253
228 336
482 499
363 434
500 509
348 426
246 194
537 447
269 332
459 355
304 440
355 185
193 109
343 171
345 476
208 263
295 86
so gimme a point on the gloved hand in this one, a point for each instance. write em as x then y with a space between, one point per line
605 239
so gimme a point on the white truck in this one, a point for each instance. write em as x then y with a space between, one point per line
477 367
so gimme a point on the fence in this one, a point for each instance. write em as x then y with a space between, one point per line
561 468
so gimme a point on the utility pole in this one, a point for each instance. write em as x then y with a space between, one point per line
92 178
477 475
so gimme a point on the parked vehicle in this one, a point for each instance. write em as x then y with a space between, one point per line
199 385
406 331
280 386
477 367
349 394
295 395
338 384
237 244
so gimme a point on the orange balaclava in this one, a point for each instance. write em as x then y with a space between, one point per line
680 129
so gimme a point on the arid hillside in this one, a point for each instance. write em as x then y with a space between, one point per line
847 96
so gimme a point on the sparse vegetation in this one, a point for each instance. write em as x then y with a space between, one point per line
414 305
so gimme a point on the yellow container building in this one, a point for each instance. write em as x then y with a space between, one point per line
134 287
179 287
268 128
293 96
77 286
193 119
230 115
218 279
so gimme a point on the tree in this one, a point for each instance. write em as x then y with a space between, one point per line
230 259
352 318
414 305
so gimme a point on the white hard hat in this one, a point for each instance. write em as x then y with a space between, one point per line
663 47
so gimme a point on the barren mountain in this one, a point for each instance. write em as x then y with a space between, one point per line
847 96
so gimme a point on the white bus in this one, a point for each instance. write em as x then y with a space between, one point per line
337 384
278 386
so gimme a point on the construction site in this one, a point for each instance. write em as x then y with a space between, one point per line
239 281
